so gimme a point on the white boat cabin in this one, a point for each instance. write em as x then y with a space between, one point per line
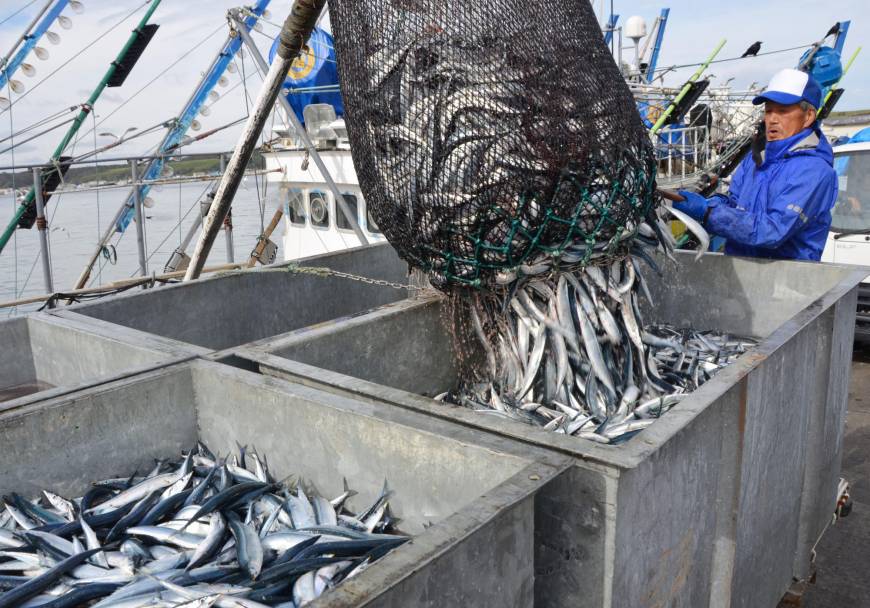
313 221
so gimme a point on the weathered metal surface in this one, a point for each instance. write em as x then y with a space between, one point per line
715 504
466 498
824 449
248 306
44 356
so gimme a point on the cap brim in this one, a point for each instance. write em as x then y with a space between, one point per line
777 97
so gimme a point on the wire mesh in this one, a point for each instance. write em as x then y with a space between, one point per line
491 136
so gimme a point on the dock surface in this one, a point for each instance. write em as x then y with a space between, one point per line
843 562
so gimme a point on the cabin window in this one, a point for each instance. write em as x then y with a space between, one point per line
340 220
371 223
296 207
318 206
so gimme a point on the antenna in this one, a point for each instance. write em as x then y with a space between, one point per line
635 28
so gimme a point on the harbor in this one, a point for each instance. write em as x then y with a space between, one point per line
469 312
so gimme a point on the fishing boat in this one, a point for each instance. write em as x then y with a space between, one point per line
313 221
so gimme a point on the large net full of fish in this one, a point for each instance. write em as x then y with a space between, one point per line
501 152
199 531
488 136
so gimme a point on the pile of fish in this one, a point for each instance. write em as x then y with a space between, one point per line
570 352
201 531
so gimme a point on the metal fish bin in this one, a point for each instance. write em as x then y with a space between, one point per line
720 502
467 500
240 307
44 356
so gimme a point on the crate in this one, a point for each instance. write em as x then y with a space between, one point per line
467 500
717 504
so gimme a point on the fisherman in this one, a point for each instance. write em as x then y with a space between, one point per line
779 203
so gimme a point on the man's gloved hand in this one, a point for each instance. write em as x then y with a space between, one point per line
694 206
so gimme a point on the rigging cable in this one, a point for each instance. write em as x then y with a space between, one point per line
38 135
181 58
124 140
40 123
25 7
74 57
693 65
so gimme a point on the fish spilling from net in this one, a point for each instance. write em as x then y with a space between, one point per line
570 352
201 531
501 152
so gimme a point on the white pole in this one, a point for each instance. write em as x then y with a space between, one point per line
41 226
297 28
140 218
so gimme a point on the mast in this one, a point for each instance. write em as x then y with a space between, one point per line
657 47
118 70
173 138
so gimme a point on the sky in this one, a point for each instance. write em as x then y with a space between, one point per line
192 32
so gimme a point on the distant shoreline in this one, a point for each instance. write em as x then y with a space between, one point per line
84 174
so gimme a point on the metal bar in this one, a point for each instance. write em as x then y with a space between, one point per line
610 28
657 48
309 145
31 39
841 36
41 227
228 220
74 128
295 33
140 220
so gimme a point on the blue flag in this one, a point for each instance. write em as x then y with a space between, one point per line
315 67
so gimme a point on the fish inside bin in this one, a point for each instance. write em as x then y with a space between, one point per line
197 531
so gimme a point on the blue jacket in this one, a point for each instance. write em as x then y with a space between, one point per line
781 209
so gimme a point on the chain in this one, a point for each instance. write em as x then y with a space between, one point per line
328 272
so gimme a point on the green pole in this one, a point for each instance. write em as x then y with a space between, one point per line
685 90
77 123
845 71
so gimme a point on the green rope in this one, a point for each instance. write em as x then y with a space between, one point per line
570 230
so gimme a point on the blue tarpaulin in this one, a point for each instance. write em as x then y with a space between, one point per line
315 68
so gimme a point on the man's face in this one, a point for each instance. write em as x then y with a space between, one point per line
784 121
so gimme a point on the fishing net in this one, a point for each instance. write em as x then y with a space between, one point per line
491 139
501 152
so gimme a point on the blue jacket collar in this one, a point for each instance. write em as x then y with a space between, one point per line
809 141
